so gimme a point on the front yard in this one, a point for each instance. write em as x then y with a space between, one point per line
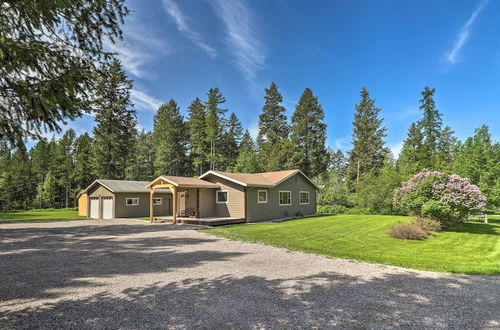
472 249
41 214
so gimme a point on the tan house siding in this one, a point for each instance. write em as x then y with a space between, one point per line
235 207
122 210
207 202
272 209
83 205
100 191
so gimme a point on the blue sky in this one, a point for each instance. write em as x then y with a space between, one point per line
181 48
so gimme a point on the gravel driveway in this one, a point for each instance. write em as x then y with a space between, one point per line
131 274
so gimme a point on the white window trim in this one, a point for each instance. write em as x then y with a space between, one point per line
127 204
217 197
258 192
308 197
161 200
279 197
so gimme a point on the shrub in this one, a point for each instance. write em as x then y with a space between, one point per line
299 214
428 225
447 198
408 231
332 209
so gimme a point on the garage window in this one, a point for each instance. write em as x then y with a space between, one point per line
157 201
134 201
304 197
285 198
222 196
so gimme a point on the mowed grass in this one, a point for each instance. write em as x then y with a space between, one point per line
474 248
41 214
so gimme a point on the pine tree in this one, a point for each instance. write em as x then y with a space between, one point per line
430 126
247 142
368 151
64 155
410 158
115 131
170 137
273 138
6 199
142 166
82 173
230 143
214 124
198 147
20 178
446 149
308 135
40 163
50 50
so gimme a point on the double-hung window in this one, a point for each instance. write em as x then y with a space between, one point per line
285 198
261 196
157 201
304 197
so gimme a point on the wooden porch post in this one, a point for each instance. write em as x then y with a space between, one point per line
174 203
151 207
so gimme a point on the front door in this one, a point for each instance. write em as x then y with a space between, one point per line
182 202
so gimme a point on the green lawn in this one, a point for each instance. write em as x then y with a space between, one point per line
472 249
41 214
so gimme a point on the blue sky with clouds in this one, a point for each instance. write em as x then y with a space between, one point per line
180 48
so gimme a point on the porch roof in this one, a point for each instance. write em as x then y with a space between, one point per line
181 181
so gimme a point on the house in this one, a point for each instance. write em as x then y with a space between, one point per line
108 199
243 196
214 198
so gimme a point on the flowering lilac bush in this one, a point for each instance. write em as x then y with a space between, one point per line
443 197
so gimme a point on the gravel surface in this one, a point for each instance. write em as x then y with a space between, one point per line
132 274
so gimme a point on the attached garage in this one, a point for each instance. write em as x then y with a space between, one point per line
109 199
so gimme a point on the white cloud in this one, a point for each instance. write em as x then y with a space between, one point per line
342 143
246 49
396 149
453 55
180 21
144 101
138 48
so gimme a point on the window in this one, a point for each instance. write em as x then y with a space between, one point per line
261 196
285 198
157 200
222 196
304 197
132 201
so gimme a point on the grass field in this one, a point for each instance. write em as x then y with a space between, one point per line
41 214
474 248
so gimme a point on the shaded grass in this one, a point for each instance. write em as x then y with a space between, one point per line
41 214
473 248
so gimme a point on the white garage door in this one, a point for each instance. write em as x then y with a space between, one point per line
107 208
94 207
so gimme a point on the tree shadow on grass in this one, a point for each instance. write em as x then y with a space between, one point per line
476 227
324 300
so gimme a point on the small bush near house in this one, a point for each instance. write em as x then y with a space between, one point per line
299 214
410 230
449 199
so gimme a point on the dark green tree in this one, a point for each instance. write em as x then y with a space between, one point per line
20 171
247 142
198 146
142 166
274 150
368 146
115 131
49 53
82 172
64 165
40 163
214 124
410 159
446 149
430 125
230 143
308 135
170 137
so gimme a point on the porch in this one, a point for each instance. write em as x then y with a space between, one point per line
206 221
192 200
